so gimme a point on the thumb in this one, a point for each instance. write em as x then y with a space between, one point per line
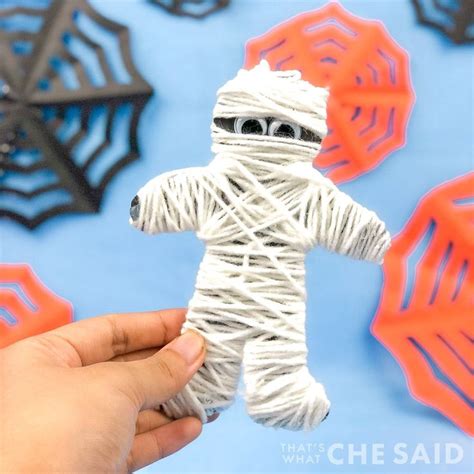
155 380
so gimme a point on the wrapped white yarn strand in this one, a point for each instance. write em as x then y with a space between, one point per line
259 206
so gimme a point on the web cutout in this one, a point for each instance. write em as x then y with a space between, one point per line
368 76
192 8
27 307
454 18
70 101
425 316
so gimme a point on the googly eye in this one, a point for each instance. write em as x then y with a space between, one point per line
284 130
251 126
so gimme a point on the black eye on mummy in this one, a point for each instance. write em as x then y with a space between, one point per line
284 129
266 126
250 126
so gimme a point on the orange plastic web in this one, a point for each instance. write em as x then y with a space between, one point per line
368 76
425 317
27 307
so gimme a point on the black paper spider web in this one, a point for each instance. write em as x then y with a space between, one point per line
70 101
192 8
454 18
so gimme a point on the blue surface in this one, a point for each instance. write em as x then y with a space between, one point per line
102 265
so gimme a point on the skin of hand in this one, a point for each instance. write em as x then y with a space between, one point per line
80 398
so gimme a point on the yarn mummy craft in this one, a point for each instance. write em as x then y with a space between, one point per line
259 206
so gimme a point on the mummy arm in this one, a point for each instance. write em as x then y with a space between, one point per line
342 225
175 202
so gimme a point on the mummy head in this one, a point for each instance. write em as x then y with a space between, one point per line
266 106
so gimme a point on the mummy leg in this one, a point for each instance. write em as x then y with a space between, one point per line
280 391
213 387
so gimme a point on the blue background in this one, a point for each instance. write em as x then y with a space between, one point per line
102 265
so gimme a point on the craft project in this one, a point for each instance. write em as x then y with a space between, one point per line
259 206
192 8
70 100
454 18
27 307
425 316
367 73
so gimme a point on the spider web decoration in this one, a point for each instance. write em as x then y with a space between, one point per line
368 76
454 18
192 8
425 316
70 101
27 307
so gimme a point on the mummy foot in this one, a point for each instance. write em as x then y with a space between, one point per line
294 401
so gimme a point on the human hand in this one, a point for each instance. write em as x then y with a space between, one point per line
80 398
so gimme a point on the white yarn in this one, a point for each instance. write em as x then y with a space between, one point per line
259 206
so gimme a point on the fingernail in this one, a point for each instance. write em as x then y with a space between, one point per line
189 345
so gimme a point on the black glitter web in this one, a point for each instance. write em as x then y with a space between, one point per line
70 101
192 8
454 18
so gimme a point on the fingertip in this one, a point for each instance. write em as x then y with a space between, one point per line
171 321
191 428
191 347
161 442
177 313
172 366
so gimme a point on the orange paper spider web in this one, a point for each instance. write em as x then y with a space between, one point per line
368 76
27 307
425 317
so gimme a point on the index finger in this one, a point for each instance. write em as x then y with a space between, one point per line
102 338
